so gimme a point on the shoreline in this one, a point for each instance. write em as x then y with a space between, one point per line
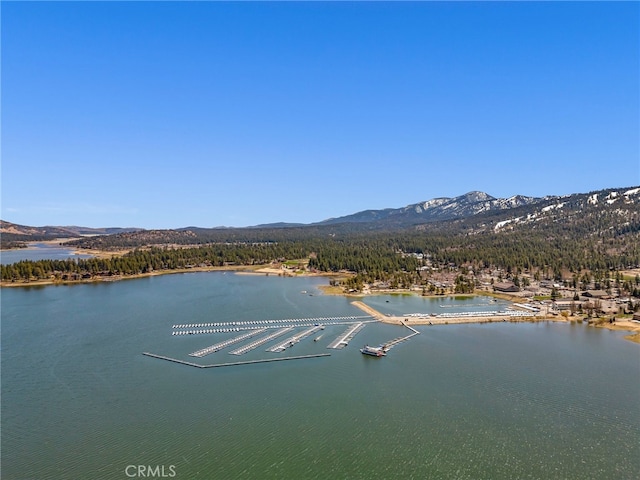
61 243
240 270
622 324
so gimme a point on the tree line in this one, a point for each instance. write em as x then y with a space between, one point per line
371 256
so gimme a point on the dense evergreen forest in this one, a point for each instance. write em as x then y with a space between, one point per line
372 256
569 238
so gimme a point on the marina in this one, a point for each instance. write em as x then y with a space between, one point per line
260 341
451 409
226 343
343 340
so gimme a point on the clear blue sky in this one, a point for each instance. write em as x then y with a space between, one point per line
163 115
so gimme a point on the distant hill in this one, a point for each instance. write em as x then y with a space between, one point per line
12 234
614 209
60 231
8 228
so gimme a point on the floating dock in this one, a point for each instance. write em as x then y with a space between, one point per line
291 341
343 340
490 313
226 327
313 320
260 341
226 343
231 364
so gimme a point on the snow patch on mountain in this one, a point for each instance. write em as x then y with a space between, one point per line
553 207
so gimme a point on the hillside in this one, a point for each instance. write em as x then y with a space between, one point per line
587 238
593 213
12 234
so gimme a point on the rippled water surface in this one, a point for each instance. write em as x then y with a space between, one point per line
458 401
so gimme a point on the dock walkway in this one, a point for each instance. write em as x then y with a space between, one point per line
219 346
343 340
392 343
230 364
228 327
291 341
260 341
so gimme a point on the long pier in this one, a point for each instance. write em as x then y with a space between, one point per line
231 364
260 341
343 341
392 343
291 341
219 346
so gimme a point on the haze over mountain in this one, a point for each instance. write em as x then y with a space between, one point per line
477 209
8 228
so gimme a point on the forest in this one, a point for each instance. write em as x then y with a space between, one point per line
554 252
569 239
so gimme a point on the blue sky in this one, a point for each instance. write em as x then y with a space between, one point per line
164 115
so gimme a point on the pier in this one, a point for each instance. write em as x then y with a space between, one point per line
260 341
226 343
291 341
343 341
392 343
231 364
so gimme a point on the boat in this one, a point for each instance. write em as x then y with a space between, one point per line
373 351
317 339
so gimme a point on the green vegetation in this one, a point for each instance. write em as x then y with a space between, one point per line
393 257
581 246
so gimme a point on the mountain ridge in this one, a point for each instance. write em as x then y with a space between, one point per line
436 209
467 207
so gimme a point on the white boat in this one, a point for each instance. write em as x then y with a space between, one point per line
373 351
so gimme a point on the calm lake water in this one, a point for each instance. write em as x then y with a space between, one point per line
489 401
38 251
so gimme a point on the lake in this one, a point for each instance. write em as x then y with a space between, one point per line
39 251
499 401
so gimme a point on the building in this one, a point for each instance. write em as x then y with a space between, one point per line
505 287
601 294
565 304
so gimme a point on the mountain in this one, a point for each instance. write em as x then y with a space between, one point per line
437 209
26 233
8 228
614 209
